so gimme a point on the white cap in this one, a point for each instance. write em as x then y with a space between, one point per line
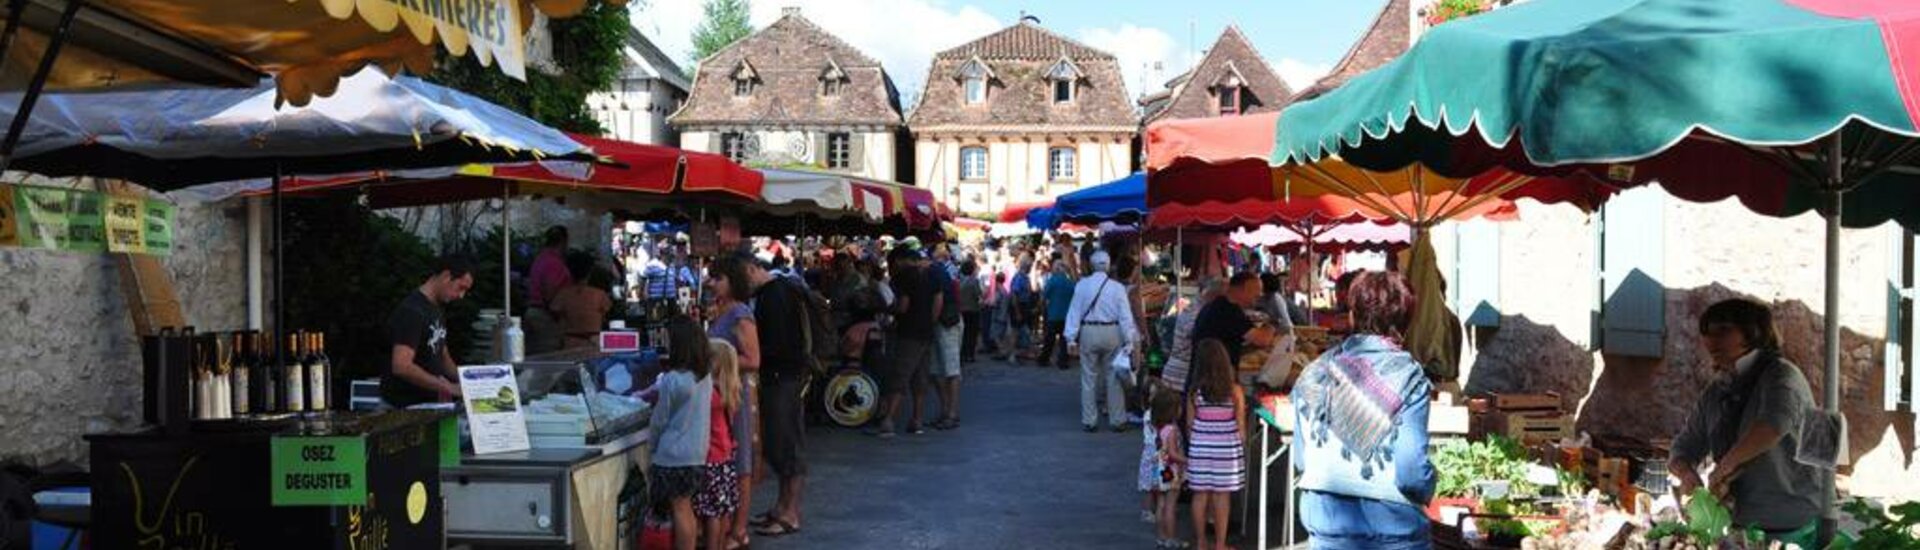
1101 261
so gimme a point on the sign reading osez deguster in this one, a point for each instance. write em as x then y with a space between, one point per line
491 25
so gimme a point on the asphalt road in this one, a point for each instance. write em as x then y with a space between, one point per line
1019 473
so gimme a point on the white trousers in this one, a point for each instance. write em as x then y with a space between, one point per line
1098 346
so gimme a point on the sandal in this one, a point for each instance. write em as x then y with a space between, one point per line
738 543
779 528
762 520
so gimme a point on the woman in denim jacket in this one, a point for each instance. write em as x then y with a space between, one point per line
1361 412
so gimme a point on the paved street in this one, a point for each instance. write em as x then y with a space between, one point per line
1019 473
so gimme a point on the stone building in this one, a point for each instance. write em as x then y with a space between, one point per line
650 87
1231 79
71 358
793 95
1020 115
1602 307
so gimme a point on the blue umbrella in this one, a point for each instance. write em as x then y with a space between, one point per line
1123 200
1044 218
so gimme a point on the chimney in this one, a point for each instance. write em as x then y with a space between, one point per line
790 11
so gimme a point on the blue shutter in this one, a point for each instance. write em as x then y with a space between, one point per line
1633 307
1476 273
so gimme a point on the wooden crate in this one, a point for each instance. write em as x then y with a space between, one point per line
1528 427
1526 401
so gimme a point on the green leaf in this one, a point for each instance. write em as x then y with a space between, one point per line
1666 529
1707 518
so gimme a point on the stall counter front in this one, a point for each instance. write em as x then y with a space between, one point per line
582 484
333 480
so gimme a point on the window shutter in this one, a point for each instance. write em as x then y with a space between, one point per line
1476 277
1898 389
1633 310
714 141
857 153
819 154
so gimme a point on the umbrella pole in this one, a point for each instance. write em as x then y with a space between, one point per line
506 252
40 74
279 277
1831 382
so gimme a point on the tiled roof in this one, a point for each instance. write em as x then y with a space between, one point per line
789 57
1023 40
1019 93
1390 36
1191 96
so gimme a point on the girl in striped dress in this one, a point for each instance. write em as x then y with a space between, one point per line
1216 460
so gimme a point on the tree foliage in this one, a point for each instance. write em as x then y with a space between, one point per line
587 51
726 21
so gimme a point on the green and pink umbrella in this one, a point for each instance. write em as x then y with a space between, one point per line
1788 105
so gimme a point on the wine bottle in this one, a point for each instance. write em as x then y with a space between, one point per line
202 379
269 379
240 373
222 376
296 375
317 369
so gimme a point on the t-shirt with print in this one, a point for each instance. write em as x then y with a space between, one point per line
417 324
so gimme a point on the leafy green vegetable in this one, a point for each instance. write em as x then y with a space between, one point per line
1707 520
1893 528
1461 463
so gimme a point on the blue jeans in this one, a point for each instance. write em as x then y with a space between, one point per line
1340 522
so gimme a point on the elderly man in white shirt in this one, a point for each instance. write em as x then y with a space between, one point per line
1100 324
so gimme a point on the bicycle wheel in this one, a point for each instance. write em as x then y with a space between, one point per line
851 398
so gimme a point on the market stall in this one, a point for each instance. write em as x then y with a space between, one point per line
315 469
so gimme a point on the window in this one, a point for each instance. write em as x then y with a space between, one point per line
1229 101
839 151
973 163
1062 164
734 145
976 90
742 88
1902 380
1063 74
830 88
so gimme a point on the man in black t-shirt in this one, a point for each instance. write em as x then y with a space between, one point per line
1225 319
916 307
779 312
421 369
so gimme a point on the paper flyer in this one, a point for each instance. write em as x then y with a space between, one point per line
493 409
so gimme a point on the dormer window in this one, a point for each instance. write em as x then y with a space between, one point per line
745 79
1230 92
1065 77
832 79
974 76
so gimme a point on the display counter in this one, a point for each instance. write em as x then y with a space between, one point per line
331 480
582 483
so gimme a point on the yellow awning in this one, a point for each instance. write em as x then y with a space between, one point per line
307 44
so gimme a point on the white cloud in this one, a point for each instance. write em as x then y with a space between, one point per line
1300 74
902 34
1139 49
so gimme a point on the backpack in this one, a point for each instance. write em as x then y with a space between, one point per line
821 341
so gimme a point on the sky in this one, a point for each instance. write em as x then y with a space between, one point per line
1301 39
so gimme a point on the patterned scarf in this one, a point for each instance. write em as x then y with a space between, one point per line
1345 397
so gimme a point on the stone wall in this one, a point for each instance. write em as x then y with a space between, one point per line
70 358
1549 296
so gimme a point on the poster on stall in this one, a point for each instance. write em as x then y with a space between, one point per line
126 224
9 232
492 396
71 220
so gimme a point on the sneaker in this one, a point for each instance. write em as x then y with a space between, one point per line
1147 517
916 429
880 432
1120 429
1090 428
